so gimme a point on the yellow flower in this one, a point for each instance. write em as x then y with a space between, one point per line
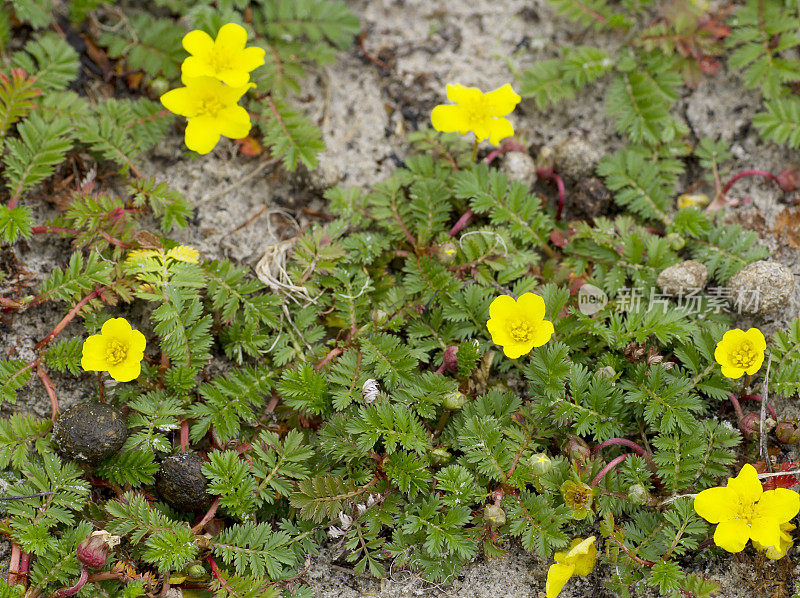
481 113
742 511
740 352
184 253
224 58
211 109
693 200
578 497
578 560
118 350
784 544
138 255
518 326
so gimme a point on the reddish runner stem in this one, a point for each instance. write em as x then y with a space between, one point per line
462 223
77 587
759 399
13 565
747 173
212 511
67 319
550 175
611 465
184 435
50 389
622 441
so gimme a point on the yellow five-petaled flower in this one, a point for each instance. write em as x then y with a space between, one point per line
518 326
481 113
224 58
118 350
742 511
212 110
740 352
578 560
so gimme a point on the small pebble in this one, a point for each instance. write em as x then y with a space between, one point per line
683 278
761 287
575 157
519 167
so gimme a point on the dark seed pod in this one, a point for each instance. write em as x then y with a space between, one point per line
180 482
787 432
89 432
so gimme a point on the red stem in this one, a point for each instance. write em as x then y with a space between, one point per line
746 173
611 465
505 147
462 223
53 229
550 175
13 565
736 406
67 319
624 442
759 399
184 435
24 565
77 587
50 389
332 354
212 510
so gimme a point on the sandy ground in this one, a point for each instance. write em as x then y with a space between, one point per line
242 205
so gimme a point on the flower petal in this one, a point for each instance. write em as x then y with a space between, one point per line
732 535
502 307
234 78
731 372
584 556
196 67
230 95
93 354
231 37
544 332
460 93
202 134
499 129
746 485
126 371
198 43
781 505
233 122
755 336
137 344
557 576
715 504
499 331
180 101
449 119
532 306
757 363
765 531
515 350
250 58
118 328
502 100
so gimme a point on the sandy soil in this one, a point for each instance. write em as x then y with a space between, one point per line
242 205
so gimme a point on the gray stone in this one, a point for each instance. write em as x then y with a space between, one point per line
575 157
519 166
761 287
683 278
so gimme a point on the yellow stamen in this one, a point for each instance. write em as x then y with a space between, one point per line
520 330
116 352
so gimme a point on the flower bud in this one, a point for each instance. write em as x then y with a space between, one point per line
638 494
577 450
788 179
196 571
676 241
787 432
447 252
379 317
750 424
606 372
449 359
94 550
159 86
440 456
541 463
494 515
693 200
454 401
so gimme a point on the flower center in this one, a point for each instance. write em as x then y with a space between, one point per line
520 330
743 356
211 105
477 110
221 61
116 352
746 511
